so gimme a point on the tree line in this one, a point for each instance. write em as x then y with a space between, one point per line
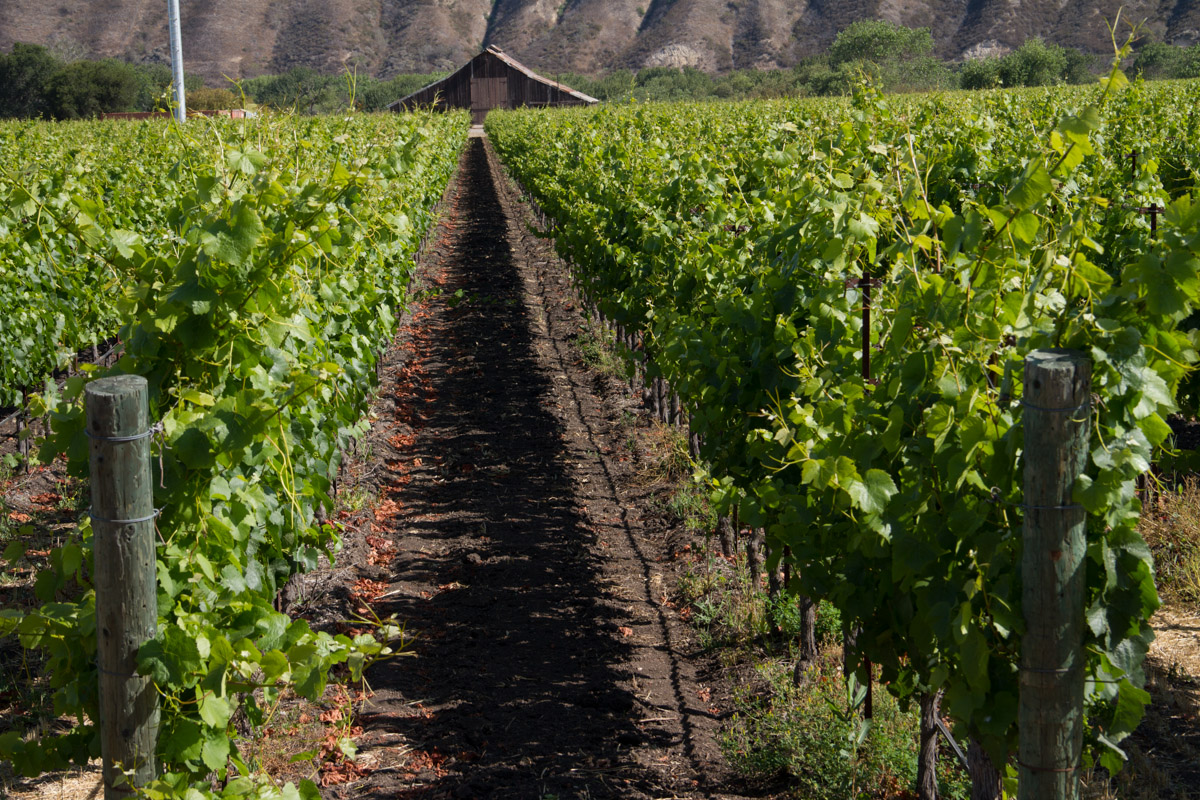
36 83
894 57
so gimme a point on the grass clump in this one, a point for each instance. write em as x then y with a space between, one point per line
689 504
666 459
597 351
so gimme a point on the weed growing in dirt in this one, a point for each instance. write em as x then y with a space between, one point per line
355 498
597 351
809 734
1172 529
813 735
725 611
72 498
425 294
690 506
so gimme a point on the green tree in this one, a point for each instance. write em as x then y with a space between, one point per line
1034 63
1190 66
1158 60
980 73
756 83
879 41
88 88
668 83
614 86
24 74
1078 67
892 56
922 73
375 95
155 89
205 99
301 88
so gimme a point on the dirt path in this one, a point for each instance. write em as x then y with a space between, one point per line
548 660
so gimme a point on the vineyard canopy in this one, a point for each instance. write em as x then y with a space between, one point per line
492 79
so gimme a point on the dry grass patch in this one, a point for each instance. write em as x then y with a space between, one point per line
1171 526
665 457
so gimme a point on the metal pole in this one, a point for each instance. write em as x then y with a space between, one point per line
126 587
1058 391
177 60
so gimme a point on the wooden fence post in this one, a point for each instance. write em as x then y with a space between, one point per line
126 597
1057 421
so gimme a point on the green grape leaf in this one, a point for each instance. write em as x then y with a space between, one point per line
216 749
214 710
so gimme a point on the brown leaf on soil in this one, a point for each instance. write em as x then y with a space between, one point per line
430 760
386 509
366 590
336 773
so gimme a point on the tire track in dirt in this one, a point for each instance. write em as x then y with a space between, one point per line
547 660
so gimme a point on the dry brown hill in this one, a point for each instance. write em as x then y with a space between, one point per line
242 38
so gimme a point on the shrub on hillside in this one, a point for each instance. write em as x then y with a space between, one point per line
24 73
88 88
1160 60
980 73
891 56
206 99
1034 63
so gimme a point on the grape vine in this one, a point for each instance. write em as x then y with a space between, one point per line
255 295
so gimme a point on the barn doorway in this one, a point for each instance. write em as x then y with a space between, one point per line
486 94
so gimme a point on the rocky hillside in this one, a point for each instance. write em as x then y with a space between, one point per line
242 38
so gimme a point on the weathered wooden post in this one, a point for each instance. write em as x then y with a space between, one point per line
126 604
1057 420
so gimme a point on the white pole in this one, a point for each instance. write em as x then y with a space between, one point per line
177 60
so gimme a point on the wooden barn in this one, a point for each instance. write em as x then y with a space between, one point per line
492 79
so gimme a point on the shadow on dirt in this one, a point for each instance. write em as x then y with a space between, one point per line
516 688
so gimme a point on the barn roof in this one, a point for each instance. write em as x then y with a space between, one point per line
510 61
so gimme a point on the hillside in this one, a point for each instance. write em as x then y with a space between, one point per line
243 38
